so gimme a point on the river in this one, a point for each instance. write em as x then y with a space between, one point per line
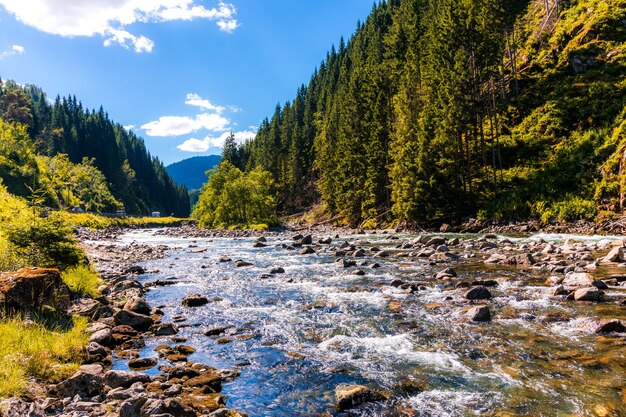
295 336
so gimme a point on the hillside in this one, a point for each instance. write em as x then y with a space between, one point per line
191 172
440 110
48 142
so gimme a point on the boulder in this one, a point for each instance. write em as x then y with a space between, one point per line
135 269
577 279
102 337
32 289
116 379
346 263
85 383
88 307
135 320
96 352
225 412
16 407
615 255
241 264
168 406
142 363
350 396
478 293
588 294
479 313
446 273
195 300
610 326
164 329
278 270
307 251
525 260
137 305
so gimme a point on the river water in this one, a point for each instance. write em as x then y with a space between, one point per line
297 335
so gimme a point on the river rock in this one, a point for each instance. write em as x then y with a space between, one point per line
350 396
259 245
446 273
225 412
615 255
195 300
164 329
241 264
307 240
478 293
142 363
225 259
102 337
116 379
96 352
137 305
33 289
207 382
346 263
167 406
135 320
16 407
610 326
85 383
588 294
121 394
307 251
278 270
577 279
479 313
525 259
128 284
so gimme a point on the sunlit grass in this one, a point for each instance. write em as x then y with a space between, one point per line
83 280
96 222
29 350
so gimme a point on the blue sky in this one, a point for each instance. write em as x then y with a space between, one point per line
183 73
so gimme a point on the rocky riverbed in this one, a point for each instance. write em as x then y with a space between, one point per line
320 323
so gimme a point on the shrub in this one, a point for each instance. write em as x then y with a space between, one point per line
83 280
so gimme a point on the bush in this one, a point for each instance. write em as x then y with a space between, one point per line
234 198
82 280
29 350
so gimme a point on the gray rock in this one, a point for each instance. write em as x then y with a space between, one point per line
164 329
307 251
102 337
137 305
577 279
610 326
16 407
478 293
588 294
135 320
96 352
307 240
615 255
142 363
479 313
84 384
116 379
167 406
132 406
278 270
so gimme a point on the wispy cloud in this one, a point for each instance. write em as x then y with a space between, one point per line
182 125
109 18
14 50
209 142
197 101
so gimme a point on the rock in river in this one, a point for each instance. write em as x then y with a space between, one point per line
116 379
610 326
479 313
478 293
195 300
134 320
350 396
588 294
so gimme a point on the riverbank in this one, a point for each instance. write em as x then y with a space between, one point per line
229 310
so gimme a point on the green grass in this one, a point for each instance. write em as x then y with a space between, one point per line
83 280
34 351
96 222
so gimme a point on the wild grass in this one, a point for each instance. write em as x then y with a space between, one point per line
30 350
96 222
82 280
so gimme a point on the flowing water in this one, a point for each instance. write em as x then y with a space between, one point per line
297 335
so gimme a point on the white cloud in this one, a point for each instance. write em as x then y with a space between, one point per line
197 101
15 50
108 18
203 145
182 125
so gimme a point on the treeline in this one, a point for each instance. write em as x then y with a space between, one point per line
439 109
65 132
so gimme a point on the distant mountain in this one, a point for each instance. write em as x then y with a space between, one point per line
191 172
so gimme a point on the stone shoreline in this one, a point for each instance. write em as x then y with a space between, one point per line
122 319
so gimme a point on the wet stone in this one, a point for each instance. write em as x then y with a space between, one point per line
479 314
195 300
478 293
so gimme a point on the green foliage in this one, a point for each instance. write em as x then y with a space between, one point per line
114 160
234 198
82 280
35 351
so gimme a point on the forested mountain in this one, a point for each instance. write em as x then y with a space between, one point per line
64 127
191 172
439 109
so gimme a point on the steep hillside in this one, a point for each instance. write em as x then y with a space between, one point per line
438 110
136 179
191 172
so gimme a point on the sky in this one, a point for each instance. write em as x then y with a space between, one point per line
182 74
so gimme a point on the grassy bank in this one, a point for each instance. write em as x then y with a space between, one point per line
29 350
96 222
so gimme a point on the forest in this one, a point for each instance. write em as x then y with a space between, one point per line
61 155
448 110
